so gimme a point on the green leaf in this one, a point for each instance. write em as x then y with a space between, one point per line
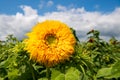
60 77
115 71
112 72
57 75
71 74
43 79
1 78
13 74
25 73
104 72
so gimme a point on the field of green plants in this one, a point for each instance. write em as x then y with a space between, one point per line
94 59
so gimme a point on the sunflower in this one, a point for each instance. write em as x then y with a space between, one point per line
50 43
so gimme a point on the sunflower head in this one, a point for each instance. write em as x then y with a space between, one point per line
50 43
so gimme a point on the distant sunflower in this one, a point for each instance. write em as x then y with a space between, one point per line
50 43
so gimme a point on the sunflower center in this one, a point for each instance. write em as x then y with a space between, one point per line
50 39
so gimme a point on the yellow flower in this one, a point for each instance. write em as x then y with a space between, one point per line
50 43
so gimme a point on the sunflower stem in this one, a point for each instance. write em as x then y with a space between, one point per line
32 70
48 73
63 69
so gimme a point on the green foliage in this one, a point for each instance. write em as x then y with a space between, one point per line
13 60
94 59
111 72
71 73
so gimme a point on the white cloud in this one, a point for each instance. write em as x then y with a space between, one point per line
83 21
50 3
61 8
28 11
18 24
44 4
78 18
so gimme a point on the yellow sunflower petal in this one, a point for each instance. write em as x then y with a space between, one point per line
50 43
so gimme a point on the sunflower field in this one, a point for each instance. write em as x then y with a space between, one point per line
56 53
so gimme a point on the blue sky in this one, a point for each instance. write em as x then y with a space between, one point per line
11 7
18 16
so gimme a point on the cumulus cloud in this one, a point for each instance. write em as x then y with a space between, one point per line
28 11
18 24
83 21
45 4
78 18
61 8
